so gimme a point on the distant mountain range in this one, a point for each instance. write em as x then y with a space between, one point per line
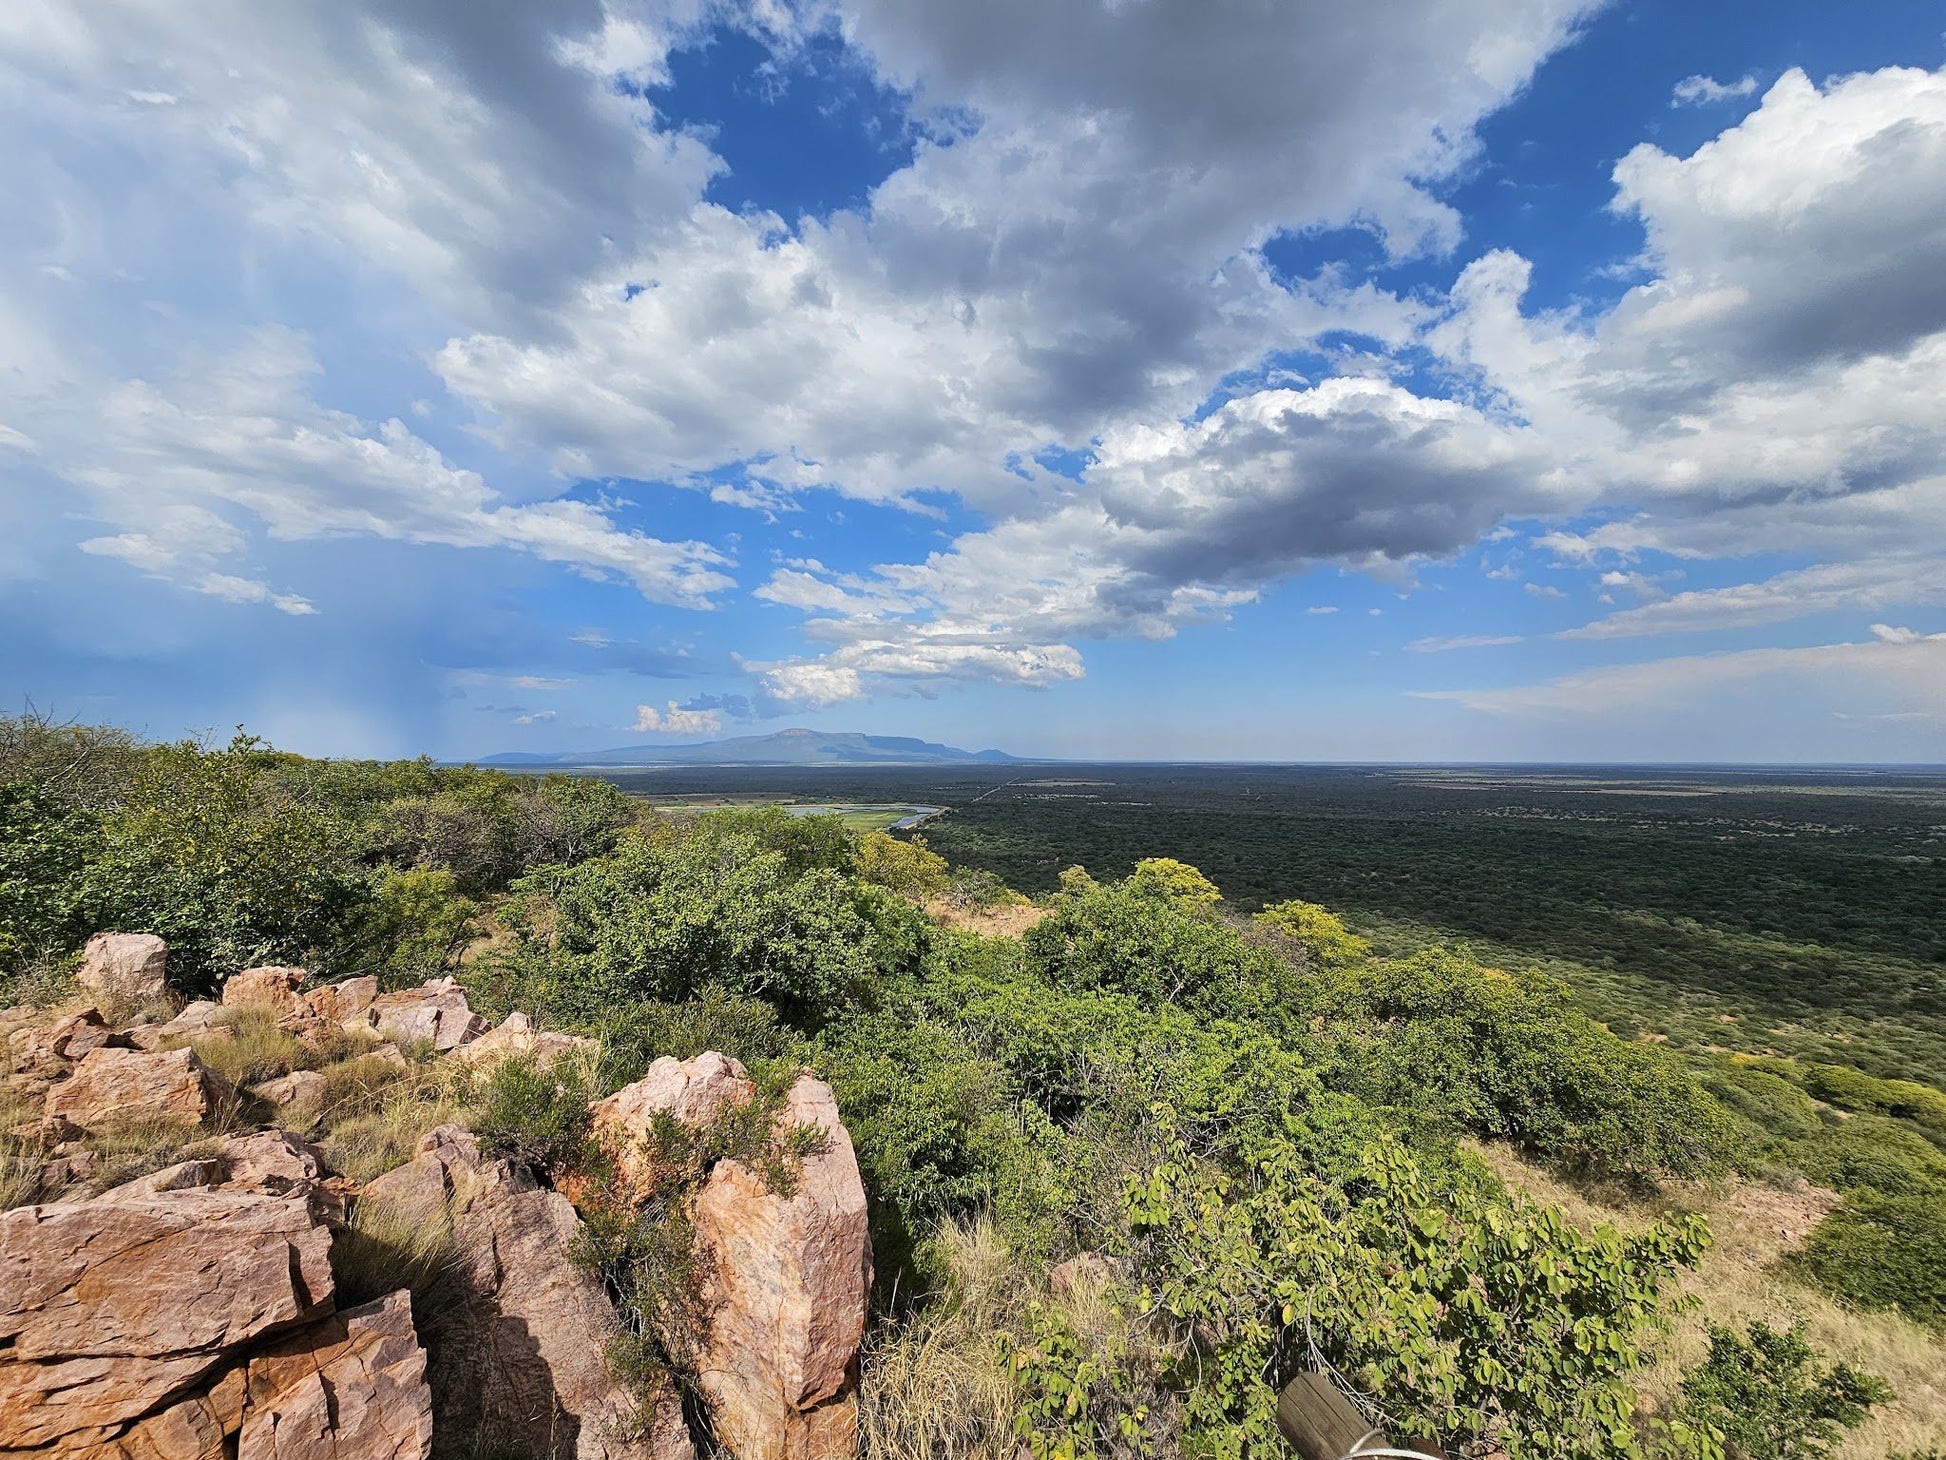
785 747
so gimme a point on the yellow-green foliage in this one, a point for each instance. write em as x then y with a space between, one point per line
1323 936
902 866
1177 881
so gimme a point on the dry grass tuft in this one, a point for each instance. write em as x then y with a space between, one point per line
374 1114
1739 1281
246 1046
386 1246
934 1387
127 1149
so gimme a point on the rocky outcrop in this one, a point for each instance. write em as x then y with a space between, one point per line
125 967
517 1330
695 1091
40 1056
193 1021
273 986
344 1002
777 1311
350 1388
298 1095
113 1085
436 1012
516 1036
110 1307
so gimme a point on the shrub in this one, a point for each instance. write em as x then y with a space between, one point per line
1473 1321
419 924
1326 941
230 860
1870 1150
1770 1398
1850 1089
1884 1252
753 902
1158 940
44 851
936 1130
1764 1098
1509 1056
904 867
536 1112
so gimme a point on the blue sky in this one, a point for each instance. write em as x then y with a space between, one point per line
1462 379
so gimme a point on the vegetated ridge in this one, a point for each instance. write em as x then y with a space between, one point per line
1111 1168
795 747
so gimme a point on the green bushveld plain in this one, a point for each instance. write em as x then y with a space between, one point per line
1243 1058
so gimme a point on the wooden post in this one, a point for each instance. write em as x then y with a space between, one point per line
1320 1422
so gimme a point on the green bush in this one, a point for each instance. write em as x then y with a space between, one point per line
757 902
231 861
419 924
1884 1252
1872 1151
1766 1099
44 852
1158 939
1770 1398
938 1137
1474 1322
1509 1056
1326 941
1850 1089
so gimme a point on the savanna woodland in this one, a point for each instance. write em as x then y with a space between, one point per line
1136 1156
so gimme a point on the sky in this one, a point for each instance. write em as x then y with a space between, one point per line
1173 379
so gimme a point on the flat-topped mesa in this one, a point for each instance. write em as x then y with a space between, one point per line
780 1282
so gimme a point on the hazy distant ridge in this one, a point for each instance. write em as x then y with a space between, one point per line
784 747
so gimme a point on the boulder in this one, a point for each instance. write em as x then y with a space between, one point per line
350 1388
195 1019
344 1002
516 1035
125 967
516 1330
51 1048
112 1085
694 1091
436 1011
784 1282
272 986
776 1314
110 1307
273 1162
299 1094
45 1134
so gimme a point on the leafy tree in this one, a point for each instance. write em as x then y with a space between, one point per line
904 867
1469 1320
1770 1397
1161 941
1177 881
44 852
420 923
753 902
229 862
1323 936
